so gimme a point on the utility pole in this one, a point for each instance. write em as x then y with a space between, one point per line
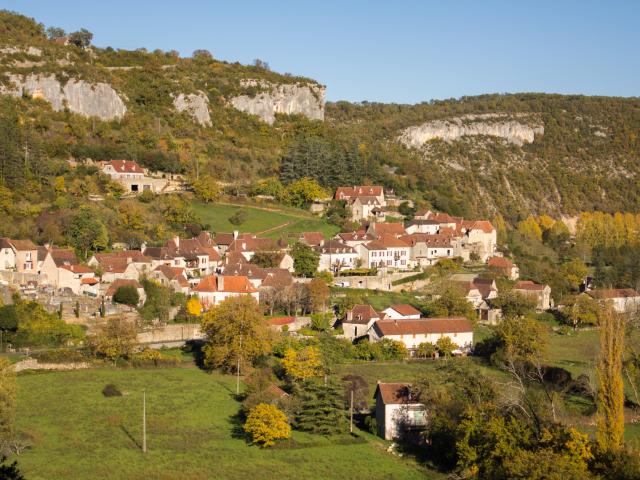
144 421
238 369
351 413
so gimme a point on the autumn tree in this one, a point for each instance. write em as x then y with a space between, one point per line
514 304
305 259
426 350
115 339
8 390
580 310
193 306
529 228
266 424
610 397
302 364
451 303
445 346
300 193
206 188
318 294
235 331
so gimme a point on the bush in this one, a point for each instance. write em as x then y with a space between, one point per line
239 217
266 424
63 355
111 390
127 295
150 357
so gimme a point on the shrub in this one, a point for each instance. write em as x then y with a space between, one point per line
151 357
63 355
266 424
111 390
239 217
426 350
127 295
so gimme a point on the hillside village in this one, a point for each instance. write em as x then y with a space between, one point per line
203 261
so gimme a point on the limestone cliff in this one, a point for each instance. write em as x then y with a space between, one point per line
87 99
307 100
517 131
196 105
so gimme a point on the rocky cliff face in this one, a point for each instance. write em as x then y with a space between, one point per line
307 100
516 131
90 100
196 105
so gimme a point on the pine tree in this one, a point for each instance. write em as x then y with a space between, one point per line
321 409
610 400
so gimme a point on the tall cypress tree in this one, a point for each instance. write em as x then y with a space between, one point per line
321 409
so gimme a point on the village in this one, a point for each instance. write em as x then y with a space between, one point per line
205 270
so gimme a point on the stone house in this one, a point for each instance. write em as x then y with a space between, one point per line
213 289
541 293
504 266
174 278
358 321
336 256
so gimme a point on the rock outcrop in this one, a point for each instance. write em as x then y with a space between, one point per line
87 99
196 105
307 100
495 125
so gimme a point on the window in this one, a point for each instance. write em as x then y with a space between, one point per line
403 262
388 262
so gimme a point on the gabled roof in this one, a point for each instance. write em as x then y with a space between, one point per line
335 246
405 309
277 277
344 193
234 258
423 326
393 393
125 166
483 225
484 286
231 284
500 262
356 236
254 244
170 272
431 240
365 200
121 282
248 270
385 242
388 229
313 239
528 285
613 293
362 315
133 255
77 268
63 256
23 245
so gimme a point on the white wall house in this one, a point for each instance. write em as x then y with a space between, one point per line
623 300
397 413
387 251
425 330
336 256
214 289
401 312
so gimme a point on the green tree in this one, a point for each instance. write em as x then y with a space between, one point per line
82 38
266 424
426 350
305 259
127 295
514 304
445 346
8 390
610 397
55 32
86 232
266 258
451 303
321 408
235 331
580 310
157 303
206 189
115 339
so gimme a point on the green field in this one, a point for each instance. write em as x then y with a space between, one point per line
274 221
192 432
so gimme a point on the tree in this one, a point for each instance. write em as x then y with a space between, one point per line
300 193
206 189
127 295
529 228
266 258
514 304
360 388
445 346
193 306
581 310
318 294
305 259
261 64
451 303
157 303
87 232
9 471
266 424
610 397
302 364
235 331
55 32
391 349
426 350
202 54
574 273
8 390
321 408
238 217
116 339
82 38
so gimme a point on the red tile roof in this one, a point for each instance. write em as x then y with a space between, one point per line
345 193
231 284
528 285
405 309
125 166
362 314
423 326
613 293
277 321
388 229
77 268
483 225
500 262
312 239
393 393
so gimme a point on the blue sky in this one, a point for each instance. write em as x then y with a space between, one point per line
394 51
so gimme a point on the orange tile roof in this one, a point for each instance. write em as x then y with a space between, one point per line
231 284
277 321
405 309
423 326
528 285
500 262
125 166
393 393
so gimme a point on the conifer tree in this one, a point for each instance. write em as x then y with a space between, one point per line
321 409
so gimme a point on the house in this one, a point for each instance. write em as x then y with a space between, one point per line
213 289
481 238
313 239
174 278
364 208
289 324
355 239
124 264
254 273
541 293
401 312
503 266
386 252
623 300
397 413
249 245
18 255
362 200
132 176
113 288
413 332
380 229
348 193
336 256
479 292
197 255
427 249
62 270
359 320
276 278
429 226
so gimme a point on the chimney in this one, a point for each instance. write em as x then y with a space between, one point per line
143 247
220 283
176 240
235 234
129 260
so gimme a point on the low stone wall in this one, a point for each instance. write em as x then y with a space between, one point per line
179 332
373 282
19 278
33 364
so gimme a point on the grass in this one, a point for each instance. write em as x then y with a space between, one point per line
192 432
380 299
274 221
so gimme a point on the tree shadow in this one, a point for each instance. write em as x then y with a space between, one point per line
131 437
196 349
236 422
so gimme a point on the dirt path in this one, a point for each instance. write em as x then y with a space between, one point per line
273 229
267 209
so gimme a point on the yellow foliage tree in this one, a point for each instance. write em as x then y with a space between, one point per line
610 399
8 390
530 228
194 307
546 222
266 424
302 364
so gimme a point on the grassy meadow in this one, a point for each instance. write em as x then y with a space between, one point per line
192 432
273 221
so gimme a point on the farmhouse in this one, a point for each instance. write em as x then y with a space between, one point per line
397 413
413 332
623 300
132 176
503 266
540 293
213 289
358 321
